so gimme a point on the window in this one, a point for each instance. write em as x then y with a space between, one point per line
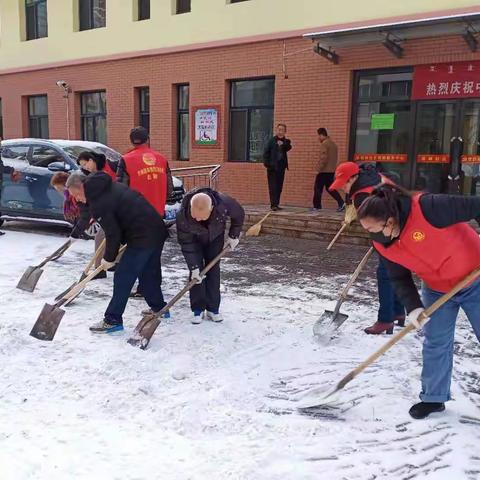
94 116
36 19
38 116
183 6
15 152
92 14
143 9
43 156
1 119
251 118
183 122
144 107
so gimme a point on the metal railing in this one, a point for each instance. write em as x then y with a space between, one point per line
198 176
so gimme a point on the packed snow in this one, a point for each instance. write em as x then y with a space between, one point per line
218 401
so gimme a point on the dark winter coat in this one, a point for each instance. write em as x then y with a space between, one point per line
125 215
193 235
275 156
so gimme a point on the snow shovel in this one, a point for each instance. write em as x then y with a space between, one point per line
91 263
51 315
149 323
336 318
254 230
32 275
324 397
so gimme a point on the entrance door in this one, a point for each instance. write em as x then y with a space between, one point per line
470 133
436 124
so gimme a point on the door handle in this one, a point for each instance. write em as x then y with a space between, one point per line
30 179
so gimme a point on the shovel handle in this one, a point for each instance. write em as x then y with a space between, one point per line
56 254
423 318
357 272
81 285
96 256
335 238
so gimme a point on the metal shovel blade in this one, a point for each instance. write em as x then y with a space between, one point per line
328 323
144 332
47 322
61 295
29 279
318 397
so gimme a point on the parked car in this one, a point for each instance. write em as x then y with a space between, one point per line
32 198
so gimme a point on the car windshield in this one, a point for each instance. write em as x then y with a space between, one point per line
73 151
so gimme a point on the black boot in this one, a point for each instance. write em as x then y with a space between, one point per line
424 409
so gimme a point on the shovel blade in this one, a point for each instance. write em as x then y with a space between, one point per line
144 332
61 295
318 397
328 323
47 322
29 279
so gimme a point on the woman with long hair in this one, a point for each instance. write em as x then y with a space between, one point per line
427 234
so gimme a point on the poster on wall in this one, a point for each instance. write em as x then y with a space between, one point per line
206 126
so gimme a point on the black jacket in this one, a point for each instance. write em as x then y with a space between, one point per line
275 156
193 235
125 215
367 177
440 211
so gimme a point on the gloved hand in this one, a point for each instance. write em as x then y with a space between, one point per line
93 229
232 243
195 275
412 317
106 264
350 214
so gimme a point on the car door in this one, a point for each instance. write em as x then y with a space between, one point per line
15 196
46 202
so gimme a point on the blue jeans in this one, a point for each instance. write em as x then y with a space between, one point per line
390 307
144 264
439 336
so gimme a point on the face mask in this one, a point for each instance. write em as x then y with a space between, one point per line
380 238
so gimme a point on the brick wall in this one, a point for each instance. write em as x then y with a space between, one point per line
316 93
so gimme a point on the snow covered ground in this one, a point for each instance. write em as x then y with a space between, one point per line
218 401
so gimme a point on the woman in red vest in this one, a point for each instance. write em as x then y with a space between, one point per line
428 235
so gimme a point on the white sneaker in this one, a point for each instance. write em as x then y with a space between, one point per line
197 317
213 317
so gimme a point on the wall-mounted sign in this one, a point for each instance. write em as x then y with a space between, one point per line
206 126
433 158
381 157
446 80
382 121
470 158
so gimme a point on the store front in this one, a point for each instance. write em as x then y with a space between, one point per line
395 125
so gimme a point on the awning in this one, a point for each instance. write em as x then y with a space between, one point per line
392 35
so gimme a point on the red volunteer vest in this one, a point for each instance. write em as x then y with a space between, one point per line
370 189
148 175
107 169
441 257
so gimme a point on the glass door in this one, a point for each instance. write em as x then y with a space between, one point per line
470 133
436 124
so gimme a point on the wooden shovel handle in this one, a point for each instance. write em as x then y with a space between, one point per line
424 316
356 273
96 256
56 254
335 238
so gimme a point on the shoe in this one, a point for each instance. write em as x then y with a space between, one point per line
197 317
315 209
105 327
380 327
213 317
149 311
274 209
100 275
424 409
136 294
2 233
279 208
400 319
341 209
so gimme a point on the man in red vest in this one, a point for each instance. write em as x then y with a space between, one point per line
145 170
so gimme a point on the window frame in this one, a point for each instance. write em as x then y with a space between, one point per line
91 16
181 112
35 120
94 116
143 114
247 110
33 6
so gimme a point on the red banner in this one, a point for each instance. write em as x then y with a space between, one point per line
433 158
381 157
446 80
470 158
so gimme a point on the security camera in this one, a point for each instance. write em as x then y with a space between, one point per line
62 84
